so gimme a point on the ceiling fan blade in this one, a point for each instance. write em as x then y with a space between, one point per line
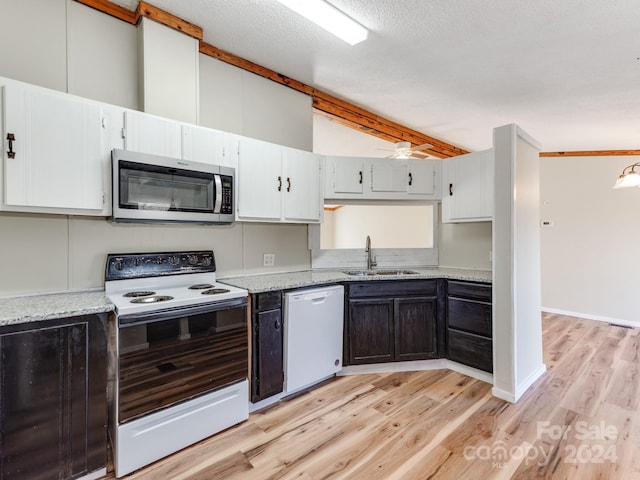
424 146
420 155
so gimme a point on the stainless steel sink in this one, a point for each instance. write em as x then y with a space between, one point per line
365 273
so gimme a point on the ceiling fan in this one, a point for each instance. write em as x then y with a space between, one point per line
405 150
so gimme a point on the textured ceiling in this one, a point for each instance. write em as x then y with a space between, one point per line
566 71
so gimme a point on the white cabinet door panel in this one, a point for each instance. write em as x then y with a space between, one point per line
302 195
58 161
421 177
347 174
468 188
260 181
388 175
154 135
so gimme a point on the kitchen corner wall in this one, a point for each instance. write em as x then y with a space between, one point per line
71 47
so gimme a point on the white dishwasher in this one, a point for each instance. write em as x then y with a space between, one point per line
313 324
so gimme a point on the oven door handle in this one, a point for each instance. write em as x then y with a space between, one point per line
177 312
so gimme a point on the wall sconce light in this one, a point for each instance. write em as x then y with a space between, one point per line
630 178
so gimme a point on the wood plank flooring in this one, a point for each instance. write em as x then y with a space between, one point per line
579 421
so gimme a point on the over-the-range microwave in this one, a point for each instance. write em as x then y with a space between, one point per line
151 188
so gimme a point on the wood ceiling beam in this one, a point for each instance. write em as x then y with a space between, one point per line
591 153
165 18
105 6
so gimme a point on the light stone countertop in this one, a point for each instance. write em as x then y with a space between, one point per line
35 308
307 278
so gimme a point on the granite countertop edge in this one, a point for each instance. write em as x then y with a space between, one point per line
308 278
52 306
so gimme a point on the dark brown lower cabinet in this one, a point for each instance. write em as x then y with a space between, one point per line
391 321
53 412
469 324
267 367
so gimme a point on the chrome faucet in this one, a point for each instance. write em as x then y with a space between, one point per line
371 262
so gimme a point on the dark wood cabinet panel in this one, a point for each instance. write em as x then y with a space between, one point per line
469 324
471 316
370 331
267 367
469 349
416 328
53 398
390 321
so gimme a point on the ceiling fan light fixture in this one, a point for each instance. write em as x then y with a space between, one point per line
330 18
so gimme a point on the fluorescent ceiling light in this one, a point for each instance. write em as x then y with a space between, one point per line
330 18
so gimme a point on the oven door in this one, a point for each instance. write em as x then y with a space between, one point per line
169 356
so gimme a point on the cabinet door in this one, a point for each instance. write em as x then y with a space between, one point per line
53 400
389 175
58 159
260 182
268 366
416 328
468 187
150 134
347 175
470 349
421 177
205 145
370 336
301 185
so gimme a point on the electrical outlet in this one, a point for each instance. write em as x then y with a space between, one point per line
268 259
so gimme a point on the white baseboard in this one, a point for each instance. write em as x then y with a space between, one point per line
417 365
513 397
588 316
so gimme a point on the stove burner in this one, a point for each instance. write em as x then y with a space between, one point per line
138 294
215 291
153 299
200 286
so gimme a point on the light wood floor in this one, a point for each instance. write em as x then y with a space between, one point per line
579 421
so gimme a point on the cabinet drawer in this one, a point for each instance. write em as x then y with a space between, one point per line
393 288
472 291
469 315
268 301
469 349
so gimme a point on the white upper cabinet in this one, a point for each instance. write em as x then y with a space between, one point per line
302 186
468 188
56 150
389 175
422 177
259 180
344 175
276 183
151 134
205 145
382 178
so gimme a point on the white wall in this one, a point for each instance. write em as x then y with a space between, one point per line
50 253
591 256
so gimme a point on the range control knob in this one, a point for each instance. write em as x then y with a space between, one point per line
192 259
118 265
159 260
137 261
174 260
206 261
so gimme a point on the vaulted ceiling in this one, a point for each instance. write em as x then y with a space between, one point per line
568 71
